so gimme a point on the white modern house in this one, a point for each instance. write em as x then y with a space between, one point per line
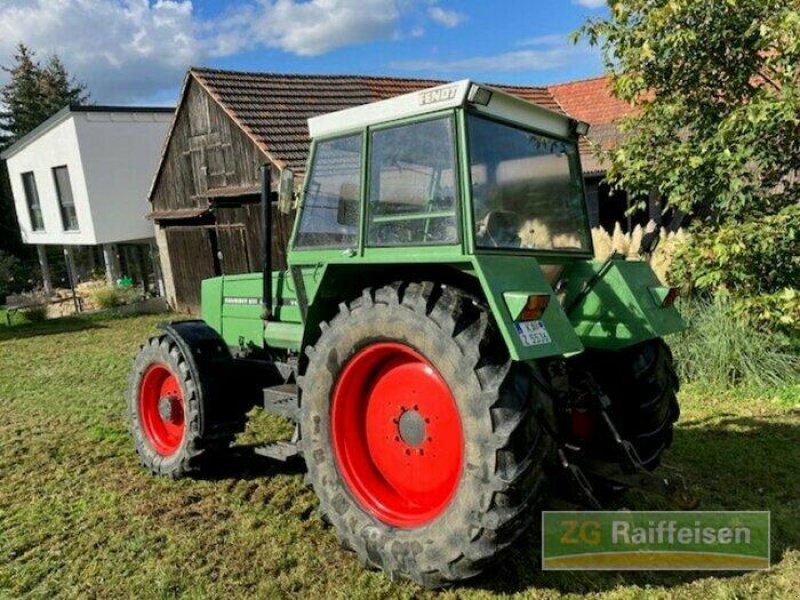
80 181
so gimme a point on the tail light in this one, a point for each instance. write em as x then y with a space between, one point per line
534 308
665 297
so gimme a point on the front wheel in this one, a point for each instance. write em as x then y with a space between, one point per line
423 440
176 413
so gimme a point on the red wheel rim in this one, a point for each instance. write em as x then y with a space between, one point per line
397 435
161 409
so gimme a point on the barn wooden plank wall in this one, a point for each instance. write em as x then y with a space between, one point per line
207 150
211 163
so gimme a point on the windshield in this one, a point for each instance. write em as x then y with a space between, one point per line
526 189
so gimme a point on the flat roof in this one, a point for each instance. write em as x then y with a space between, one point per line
483 98
62 114
120 109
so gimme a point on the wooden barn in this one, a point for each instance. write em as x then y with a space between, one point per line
205 195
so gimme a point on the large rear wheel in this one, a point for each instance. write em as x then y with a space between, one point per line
642 385
423 440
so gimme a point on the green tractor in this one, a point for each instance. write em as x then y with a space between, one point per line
449 350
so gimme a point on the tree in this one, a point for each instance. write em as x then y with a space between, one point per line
718 84
34 93
59 88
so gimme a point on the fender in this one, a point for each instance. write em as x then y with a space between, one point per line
623 307
506 279
214 369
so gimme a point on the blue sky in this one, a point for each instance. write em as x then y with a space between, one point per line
131 51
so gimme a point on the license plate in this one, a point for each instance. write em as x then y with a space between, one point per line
532 333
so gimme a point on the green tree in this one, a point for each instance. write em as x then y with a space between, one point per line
35 92
718 84
59 88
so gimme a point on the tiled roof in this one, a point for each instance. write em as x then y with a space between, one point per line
273 109
590 100
603 135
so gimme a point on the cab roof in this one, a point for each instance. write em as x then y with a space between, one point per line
482 98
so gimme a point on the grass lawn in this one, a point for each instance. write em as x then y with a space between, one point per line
80 518
16 318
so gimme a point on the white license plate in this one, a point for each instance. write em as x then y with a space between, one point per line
532 333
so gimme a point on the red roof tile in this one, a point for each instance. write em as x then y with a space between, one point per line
590 100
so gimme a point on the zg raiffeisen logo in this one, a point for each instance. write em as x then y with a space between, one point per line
680 541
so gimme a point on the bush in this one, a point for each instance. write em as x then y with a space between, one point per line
778 312
9 271
760 256
722 350
36 314
105 296
757 263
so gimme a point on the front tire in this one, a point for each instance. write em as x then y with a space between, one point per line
174 419
423 440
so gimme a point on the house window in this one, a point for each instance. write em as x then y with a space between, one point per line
32 200
412 192
69 218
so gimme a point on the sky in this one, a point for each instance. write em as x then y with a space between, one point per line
137 51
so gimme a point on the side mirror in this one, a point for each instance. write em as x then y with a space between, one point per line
286 192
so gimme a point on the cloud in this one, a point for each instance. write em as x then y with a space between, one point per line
540 54
448 18
129 50
319 26
590 3
123 50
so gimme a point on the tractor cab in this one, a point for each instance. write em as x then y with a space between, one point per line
474 187
460 166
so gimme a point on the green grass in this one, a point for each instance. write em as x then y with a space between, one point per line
79 518
17 318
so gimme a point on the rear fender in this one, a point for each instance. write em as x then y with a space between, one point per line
623 307
507 281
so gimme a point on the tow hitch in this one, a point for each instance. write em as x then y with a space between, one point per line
627 471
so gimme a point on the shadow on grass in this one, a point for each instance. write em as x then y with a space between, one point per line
49 327
242 462
732 463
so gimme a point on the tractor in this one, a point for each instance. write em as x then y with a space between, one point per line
449 350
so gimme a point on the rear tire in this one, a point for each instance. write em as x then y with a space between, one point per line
642 385
437 529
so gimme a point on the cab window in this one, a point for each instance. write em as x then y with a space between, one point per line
412 185
331 205
527 189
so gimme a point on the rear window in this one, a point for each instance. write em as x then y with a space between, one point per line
527 189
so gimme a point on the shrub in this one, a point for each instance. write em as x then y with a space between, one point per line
36 314
760 256
778 312
9 269
722 350
105 296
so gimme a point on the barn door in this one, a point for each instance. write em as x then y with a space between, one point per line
191 257
233 248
